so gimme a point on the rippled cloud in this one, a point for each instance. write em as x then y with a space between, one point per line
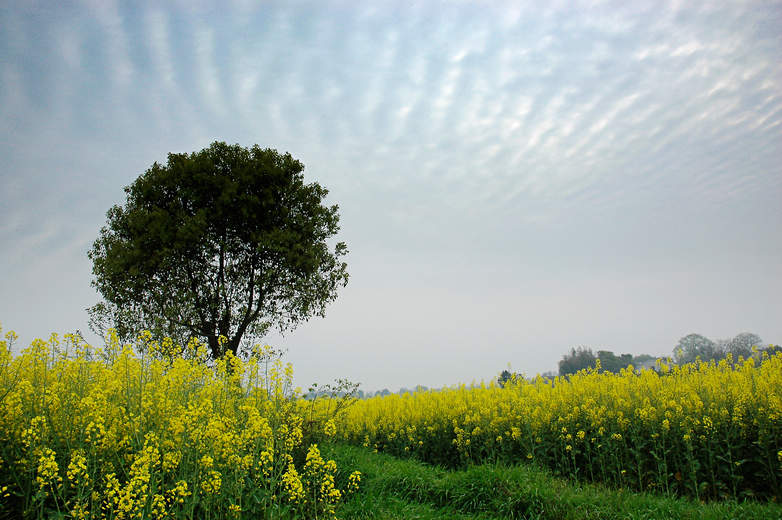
492 125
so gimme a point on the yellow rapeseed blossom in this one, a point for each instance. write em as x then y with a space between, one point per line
158 506
178 493
80 512
48 471
77 470
355 479
33 435
292 484
212 482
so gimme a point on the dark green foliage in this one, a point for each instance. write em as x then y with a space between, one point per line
578 359
582 357
504 377
227 241
610 362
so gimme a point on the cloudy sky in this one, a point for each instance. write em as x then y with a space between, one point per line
513 180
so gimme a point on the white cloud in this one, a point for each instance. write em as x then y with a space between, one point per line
158 38
116 44
207 73
688 49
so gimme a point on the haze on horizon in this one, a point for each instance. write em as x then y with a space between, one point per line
513 180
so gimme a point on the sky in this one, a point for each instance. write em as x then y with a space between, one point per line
514 178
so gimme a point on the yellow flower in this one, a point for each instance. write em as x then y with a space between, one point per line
48 470
292 484
212 483
353 481
80 512
330 429
77 470
33 435
158 506
178 493
171 460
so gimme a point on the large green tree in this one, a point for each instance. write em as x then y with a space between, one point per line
228 241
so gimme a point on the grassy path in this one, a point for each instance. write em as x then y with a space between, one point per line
406 489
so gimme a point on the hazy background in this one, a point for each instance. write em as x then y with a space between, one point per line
513 180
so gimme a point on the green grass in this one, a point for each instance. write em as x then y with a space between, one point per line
392 488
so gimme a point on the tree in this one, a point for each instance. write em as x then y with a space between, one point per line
227 241
504 377
610 362
742 344
694 346
578 359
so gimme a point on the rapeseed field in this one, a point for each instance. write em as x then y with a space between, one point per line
705 430
157 431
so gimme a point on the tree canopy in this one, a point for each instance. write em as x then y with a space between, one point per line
741 344
228 241
582 357
693 346
610 362
578 359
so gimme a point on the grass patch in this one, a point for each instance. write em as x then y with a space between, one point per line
396 488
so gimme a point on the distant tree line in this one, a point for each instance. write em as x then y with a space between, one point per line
696 346
581 357
384 392
688 349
